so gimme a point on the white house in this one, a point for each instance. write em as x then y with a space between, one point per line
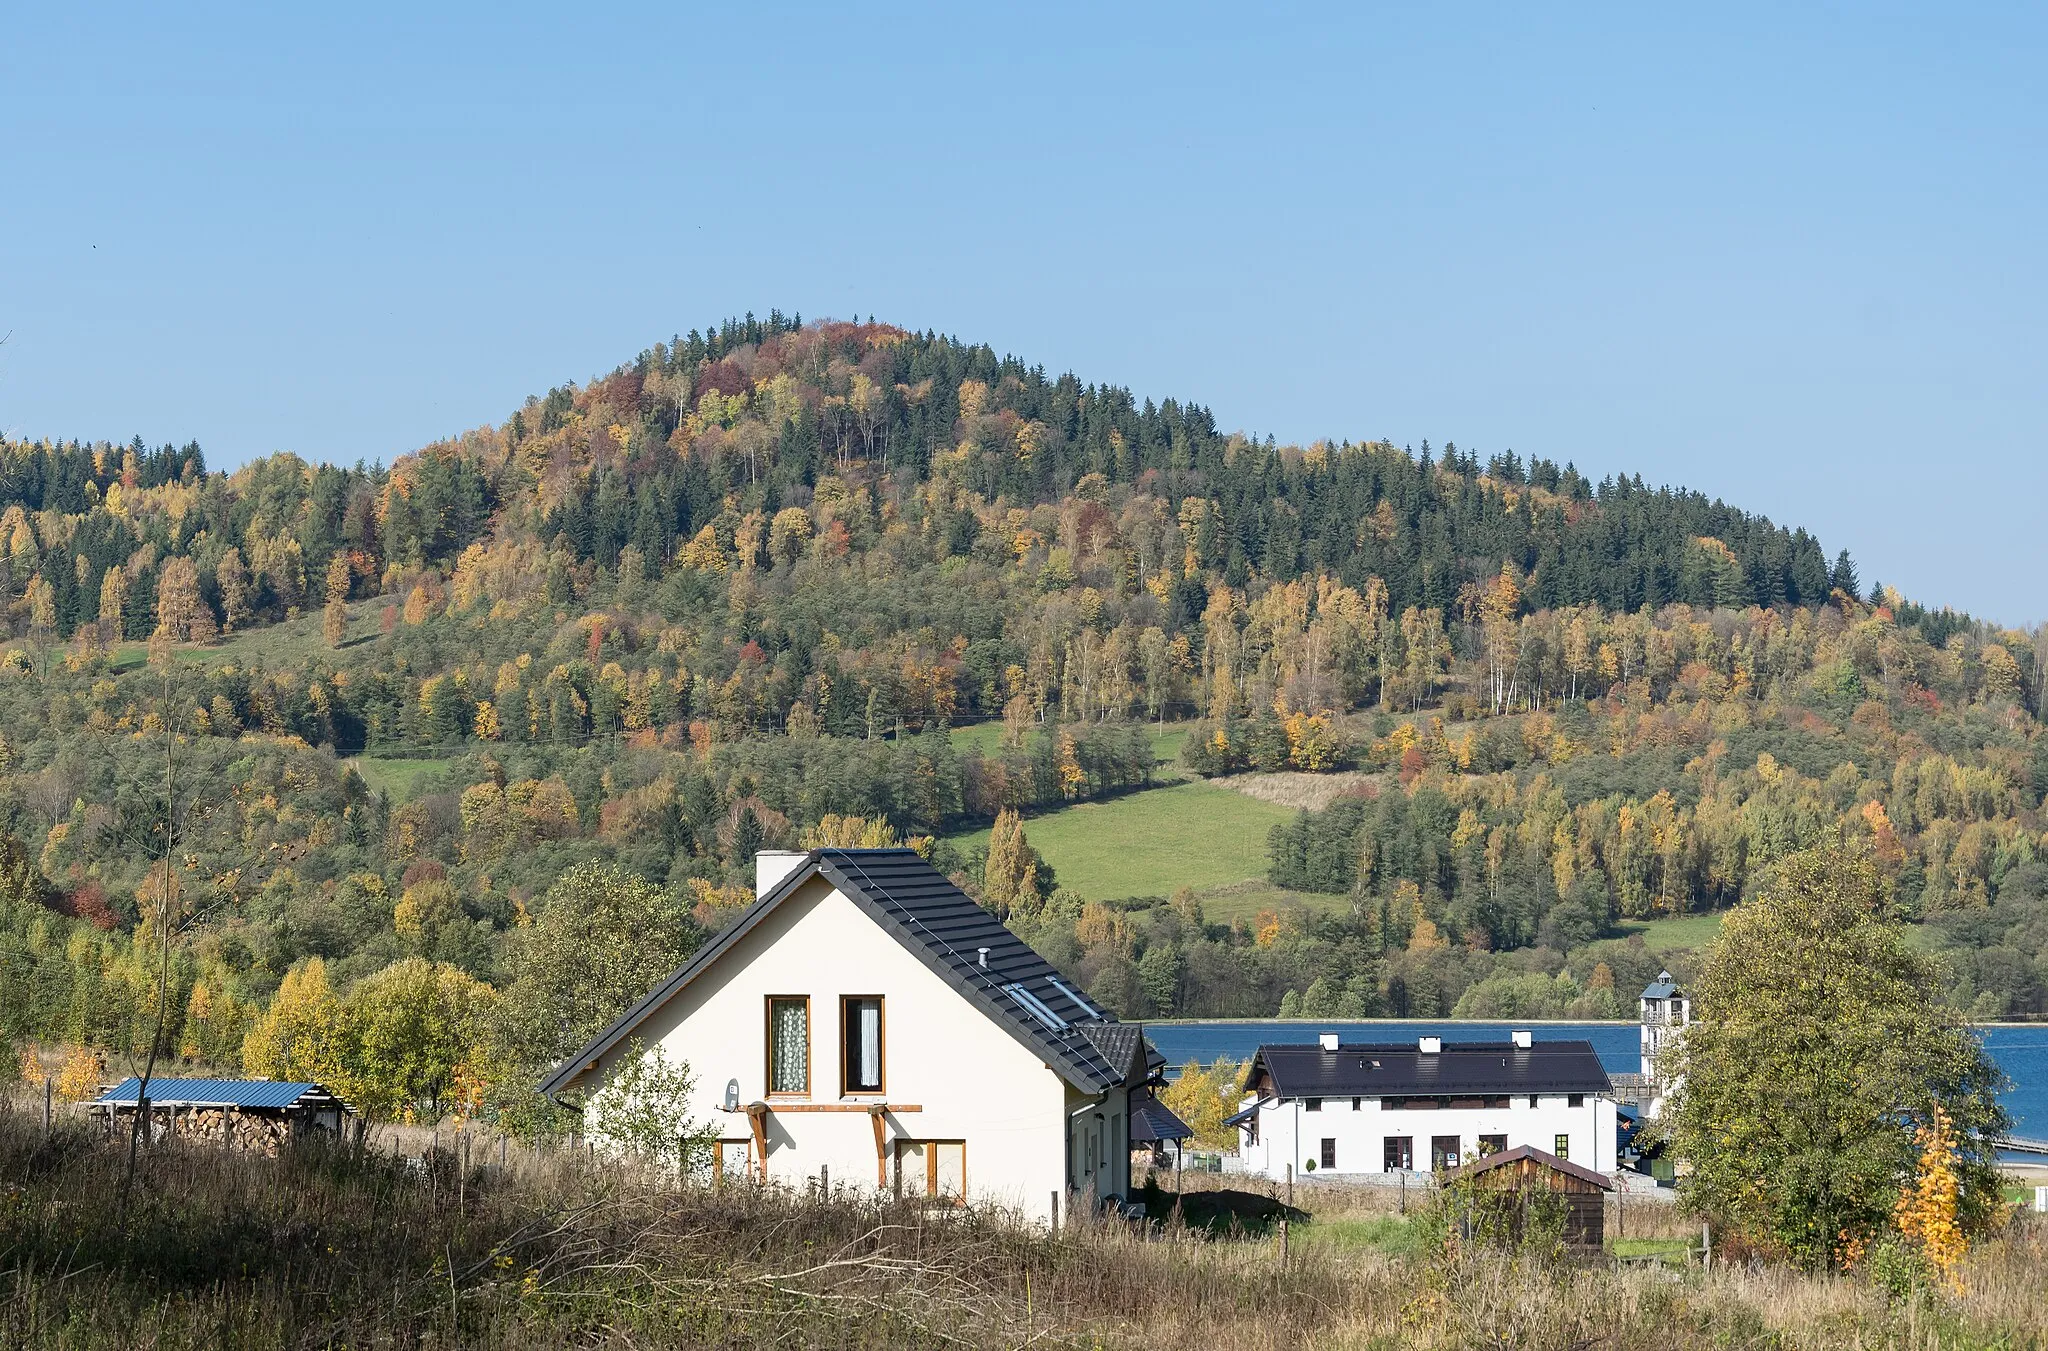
867 1020
1414 1107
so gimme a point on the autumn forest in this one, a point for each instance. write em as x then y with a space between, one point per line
371 748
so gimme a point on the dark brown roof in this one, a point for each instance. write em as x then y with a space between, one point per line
1536 1156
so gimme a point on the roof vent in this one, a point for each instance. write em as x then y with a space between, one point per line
1522 1039
1329 1041
984 957
1431 1045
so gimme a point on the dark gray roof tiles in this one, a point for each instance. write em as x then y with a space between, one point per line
948 931
1460 1069
1121 1044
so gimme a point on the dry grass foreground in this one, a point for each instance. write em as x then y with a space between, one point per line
318 1250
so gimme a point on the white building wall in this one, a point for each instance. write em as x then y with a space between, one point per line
1290 1132
971 1079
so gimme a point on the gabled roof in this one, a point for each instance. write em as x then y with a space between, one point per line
244 1093
1123 1045
1534 1155
1153 1121
944 928
1661 988
1460 1069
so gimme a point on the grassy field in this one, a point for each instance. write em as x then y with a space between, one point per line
402 779
1154 842
325 1249
270 645
1679 931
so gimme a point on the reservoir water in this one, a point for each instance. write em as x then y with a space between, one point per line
2022 1052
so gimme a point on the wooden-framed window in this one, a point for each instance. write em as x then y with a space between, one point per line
1492 1144
1399 1153
789 1045
1444 1151
732 1158
860 1044
1564 1146
933 1169
1312 1104
1329 1154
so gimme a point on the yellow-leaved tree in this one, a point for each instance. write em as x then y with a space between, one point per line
1010 876
1203 1097
294 1039
85 1069
1928 1213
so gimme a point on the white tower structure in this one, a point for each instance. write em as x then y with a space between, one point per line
1667 1012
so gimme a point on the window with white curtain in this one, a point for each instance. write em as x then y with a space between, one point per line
789 1044
860 1021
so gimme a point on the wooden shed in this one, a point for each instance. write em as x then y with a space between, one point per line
249 1115
1526 1170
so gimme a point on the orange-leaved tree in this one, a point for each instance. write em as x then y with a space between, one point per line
1929 1209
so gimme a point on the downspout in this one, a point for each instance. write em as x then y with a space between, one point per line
1100 1100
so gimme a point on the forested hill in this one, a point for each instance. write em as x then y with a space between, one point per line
760 416
446 732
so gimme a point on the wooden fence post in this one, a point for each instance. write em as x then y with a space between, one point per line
49 1092
1055 1212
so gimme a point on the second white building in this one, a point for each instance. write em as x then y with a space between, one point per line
1328 1107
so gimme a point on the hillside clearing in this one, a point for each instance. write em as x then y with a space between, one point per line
1296 791
1153 842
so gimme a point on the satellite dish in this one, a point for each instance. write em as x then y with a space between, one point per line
732 1095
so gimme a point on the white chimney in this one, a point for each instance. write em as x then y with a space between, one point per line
772 865
1329 1041
1522 1039
1431 1045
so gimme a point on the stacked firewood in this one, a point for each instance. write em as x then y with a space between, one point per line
265 1135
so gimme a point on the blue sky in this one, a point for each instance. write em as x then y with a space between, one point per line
1792 257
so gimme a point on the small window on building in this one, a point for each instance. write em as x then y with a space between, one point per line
1329 1159
1575 1100
1563 1147
1357 1104
1312 1104
1443 1151
1399 1155
1532 1099
860 1023
1492 1144
789 1044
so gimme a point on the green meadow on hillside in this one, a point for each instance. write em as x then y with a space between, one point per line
1153 843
